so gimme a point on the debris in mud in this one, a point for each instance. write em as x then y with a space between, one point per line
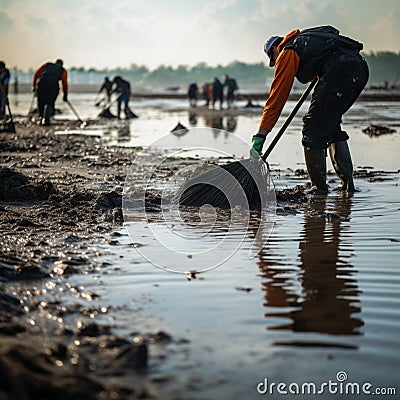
152 201
72 370
136 245
9 304
111 203
16 267
377 130
300 172
160 337
286 211
380 179
179 130
375 176
17 186
295 195
191 275
109 200
244 289
92 329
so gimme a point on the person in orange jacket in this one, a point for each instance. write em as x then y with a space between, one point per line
342 74
45 85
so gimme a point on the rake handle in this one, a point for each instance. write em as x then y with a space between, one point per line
4 94
111 102
74 111
31 106
289 119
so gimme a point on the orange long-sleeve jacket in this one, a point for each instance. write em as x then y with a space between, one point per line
286 67
64 78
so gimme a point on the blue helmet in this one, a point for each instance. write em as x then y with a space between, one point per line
272 41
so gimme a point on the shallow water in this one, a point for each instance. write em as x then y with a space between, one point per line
158 117
321 297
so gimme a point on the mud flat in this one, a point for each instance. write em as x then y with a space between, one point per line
59 194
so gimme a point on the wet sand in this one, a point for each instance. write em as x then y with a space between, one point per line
59 194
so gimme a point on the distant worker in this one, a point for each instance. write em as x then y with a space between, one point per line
193 92
231 84
123 90
4 82
107 87
45 84
15 72
342 74
205 93
217 92
16 88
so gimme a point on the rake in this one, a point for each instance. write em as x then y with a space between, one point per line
236 184
8 125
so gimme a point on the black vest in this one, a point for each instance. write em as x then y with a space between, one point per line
52 72
314 44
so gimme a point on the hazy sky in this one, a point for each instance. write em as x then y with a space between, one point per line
112 33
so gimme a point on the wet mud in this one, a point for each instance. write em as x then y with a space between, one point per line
377 130
59 194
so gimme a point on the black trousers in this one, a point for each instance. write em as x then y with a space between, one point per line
47 94
343 77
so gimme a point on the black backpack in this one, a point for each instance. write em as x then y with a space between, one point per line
314 44
330 32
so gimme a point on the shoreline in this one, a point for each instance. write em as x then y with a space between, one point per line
368 94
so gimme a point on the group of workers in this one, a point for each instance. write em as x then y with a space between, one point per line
320 54
214 92
45 86
122 89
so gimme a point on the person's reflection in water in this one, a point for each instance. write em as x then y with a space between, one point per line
217 122
327 299
193 118
231 123
124 132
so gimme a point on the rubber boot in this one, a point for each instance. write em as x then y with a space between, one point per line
341 160
48 112
316 168
45 122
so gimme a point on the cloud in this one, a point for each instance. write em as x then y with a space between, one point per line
210 9
384 33
6 23
376 24
39 24
101 33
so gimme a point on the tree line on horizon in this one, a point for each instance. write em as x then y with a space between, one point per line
383 65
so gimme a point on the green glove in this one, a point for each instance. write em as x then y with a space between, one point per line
6 102
258 143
